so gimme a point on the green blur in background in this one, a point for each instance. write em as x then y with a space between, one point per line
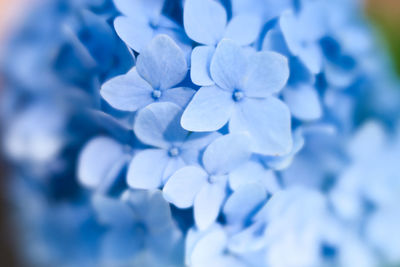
385 16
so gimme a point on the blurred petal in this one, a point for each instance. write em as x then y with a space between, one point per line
268 123
127 92
207 204
267 73
209 110
204 21
134 8
243 202
303 102
135 33
183 186
253 172
226 153
200 68
228 65
98 160
158 125
162 63
147 168
243 29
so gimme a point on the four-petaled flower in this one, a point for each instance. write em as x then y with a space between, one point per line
159 68
158 125
205 22
243 95
205 188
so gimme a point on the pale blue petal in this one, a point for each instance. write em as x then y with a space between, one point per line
180 96
200 68
174 164
120 245
303 102
267 73
209 110
243 29
199 140
268 123
147 168
127 92
311 56
158 125
203 246
208 203
228 65
253 172
226 153
135 33
162 63
204 21
243 202
100 160
183 186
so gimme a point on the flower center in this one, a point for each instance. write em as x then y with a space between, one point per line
153 23
237 95
156 94
212 179
173 152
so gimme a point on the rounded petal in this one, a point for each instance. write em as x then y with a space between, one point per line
267 73
311 56
180 96
158 125
245 200
183 186
207 204
162 63
147 168
101 159
209 110
200 65
203 247
228 65
135 33
267 121
127 92
303 102
226 153
253 172
204 21
243 29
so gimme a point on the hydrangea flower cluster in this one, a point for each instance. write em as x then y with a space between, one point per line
204 133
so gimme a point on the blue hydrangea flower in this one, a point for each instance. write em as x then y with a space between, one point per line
159 68
205 188
141 21
141 230
205 22
158 125
244 96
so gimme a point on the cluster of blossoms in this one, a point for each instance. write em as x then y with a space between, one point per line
203 133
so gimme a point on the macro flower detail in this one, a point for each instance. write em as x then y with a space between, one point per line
172 147
159 68
205 22
205 188
244 96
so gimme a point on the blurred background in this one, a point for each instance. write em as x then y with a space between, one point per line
383 14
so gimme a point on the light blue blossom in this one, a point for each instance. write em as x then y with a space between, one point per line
141 230
142 21
159 68
205 188
244 96
158 125
205 22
